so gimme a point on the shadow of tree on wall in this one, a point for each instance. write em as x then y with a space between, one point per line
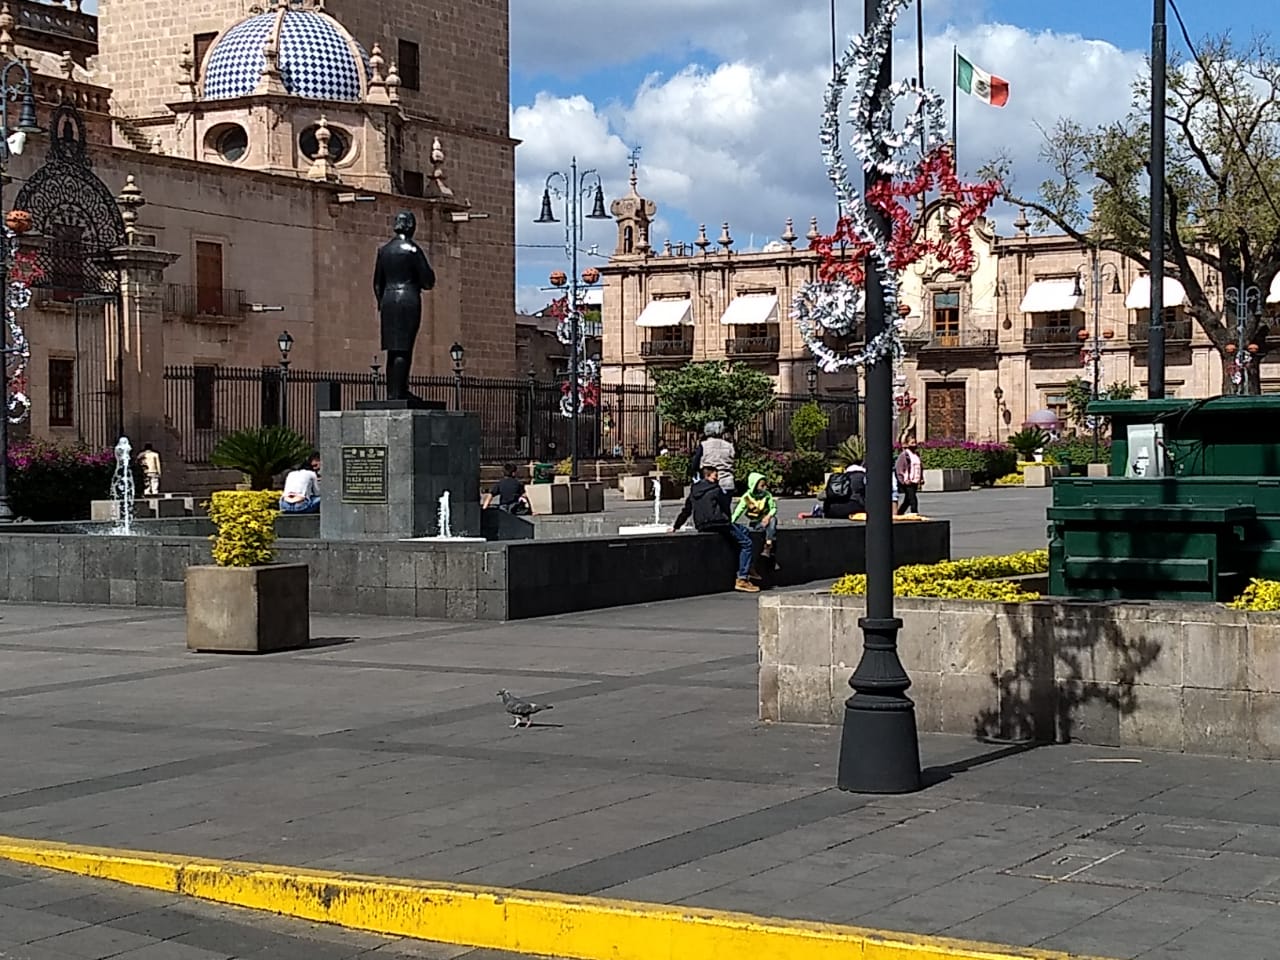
1074 673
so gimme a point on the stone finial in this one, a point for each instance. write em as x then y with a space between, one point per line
6 30
321 168
725 240
439 186
813 234
393 83
789 234
666 247
187 73
130 200
67 65
702 242
1022 222
377 79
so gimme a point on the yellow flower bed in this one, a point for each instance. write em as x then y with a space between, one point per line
246 522
1011 480
974 578
1259 595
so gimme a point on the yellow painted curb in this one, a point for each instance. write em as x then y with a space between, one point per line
520 921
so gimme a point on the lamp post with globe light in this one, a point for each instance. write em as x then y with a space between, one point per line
458 355
285 343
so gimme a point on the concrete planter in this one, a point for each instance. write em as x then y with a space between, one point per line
577 497
563 478
947 481
248 609
1099 470
1041 475
670 488
1194 677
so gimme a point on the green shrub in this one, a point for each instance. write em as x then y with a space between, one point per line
804 470
1077 451
974 578
565 467
751 458
1028 441
986 462
807 425
261 454
1260 595
677 465
50 481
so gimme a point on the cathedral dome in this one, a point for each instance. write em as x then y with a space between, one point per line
318 58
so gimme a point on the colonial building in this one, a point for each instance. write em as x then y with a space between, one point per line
265 152
984 352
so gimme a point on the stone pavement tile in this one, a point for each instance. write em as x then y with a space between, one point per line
26 924
1116 937
951 903
670 886
1020 925
172 951
95 942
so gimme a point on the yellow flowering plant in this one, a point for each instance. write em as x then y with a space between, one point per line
246 522
1259 595
973 578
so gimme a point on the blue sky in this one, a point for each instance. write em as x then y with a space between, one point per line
724 97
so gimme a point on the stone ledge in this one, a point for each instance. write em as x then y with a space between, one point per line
1189 677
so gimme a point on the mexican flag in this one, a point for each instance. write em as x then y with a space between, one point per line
978 83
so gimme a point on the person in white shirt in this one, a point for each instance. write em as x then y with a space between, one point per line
302 488
150 461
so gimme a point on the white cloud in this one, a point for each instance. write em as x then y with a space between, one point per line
737 141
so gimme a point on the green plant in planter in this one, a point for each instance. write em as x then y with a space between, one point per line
804 470
807 425
674 464
565 467
246 525
1028 441
261 454
850 450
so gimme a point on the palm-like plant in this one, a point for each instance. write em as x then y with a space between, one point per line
852 449
261 453
1028 441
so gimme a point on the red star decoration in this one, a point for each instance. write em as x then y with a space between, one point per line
844 253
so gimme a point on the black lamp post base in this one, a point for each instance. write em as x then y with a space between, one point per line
879 749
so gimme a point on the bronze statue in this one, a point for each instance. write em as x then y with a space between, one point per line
400 275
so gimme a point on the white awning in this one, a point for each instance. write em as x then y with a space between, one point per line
1139 297
751 308
1274 295
1052 296
665 313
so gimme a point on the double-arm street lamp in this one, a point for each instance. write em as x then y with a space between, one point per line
15 85
1248 303
574 187
1097 274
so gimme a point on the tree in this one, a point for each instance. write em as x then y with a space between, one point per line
699 393
1222 190
1078 393
807 425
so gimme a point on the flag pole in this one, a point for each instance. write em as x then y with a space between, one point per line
955 98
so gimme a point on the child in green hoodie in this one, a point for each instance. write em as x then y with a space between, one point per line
760 510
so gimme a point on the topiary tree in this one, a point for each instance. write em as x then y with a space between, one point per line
698 393
260 454
807 425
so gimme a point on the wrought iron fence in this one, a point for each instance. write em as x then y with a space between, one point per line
521 419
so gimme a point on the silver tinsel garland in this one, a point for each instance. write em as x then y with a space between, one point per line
19 298
588 371
835 307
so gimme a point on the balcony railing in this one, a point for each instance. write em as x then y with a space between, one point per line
203 303
660 349
1174 330
1050 336
962 340
751 347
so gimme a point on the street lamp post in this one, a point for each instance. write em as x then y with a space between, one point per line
11 144
1243 297
879 745
285 343
375 367
812 376
576 186
1097 273
458 355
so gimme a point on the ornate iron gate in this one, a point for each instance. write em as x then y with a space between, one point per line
77 223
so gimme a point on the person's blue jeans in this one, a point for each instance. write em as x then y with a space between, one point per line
770 529
309 505
739 535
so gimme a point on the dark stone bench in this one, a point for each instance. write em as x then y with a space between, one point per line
1147 551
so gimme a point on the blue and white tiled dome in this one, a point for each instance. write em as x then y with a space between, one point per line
318 59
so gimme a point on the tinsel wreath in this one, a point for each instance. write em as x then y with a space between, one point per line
588 372
833 304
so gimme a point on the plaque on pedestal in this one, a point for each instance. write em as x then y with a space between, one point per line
386 469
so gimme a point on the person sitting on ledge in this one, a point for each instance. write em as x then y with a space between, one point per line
302 488
761 511
845 495
709 505
509 492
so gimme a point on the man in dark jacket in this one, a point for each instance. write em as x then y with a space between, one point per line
709 506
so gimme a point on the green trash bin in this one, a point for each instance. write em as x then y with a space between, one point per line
544 472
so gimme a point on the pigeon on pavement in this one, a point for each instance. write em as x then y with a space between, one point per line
522 710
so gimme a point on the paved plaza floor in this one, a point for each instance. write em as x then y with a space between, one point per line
383 750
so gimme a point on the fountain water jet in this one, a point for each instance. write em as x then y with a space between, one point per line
122 489
444 526
657 526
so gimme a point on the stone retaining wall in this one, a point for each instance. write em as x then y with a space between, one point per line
461 581
1189 677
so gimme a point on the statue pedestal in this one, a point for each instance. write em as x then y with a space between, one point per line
416 403
384 471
